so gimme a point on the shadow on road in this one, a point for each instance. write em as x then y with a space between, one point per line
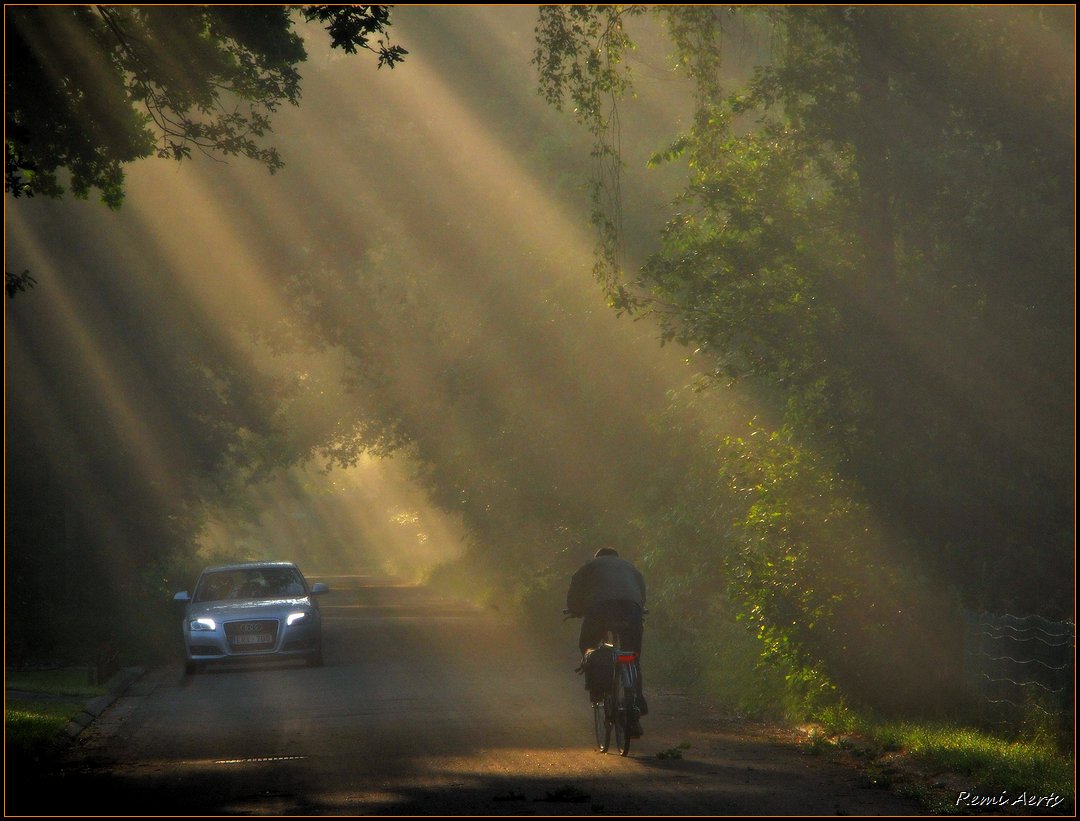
425 706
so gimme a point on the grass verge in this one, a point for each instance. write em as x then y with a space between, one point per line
1009 766
62 681
952 768
32 727
49 700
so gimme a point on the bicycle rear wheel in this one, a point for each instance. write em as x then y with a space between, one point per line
601 713
623 705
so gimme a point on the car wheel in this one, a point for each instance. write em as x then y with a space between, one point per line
315 659
190 668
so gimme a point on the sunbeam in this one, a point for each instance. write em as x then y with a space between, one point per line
833 426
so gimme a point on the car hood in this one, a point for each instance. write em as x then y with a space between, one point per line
256 609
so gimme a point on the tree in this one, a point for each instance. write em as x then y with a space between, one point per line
875 235
92 88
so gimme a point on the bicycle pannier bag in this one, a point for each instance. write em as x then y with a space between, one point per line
599 669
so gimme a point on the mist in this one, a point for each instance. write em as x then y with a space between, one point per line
392 356
427 190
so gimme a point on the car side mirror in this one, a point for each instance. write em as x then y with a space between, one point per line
319 588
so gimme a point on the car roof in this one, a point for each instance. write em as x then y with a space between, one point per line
250 566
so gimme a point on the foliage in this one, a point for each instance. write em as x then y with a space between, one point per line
869 241
911 394
92 88
114 485
101 520
16 283
578 57
674 753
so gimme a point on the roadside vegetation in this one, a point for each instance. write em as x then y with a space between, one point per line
47 701
33 727
61 681
950 767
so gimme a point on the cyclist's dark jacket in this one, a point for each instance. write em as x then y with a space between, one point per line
604 579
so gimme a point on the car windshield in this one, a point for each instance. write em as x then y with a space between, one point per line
250 583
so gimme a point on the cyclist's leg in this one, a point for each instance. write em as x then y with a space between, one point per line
632 635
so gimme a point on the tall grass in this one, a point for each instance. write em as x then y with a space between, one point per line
994 763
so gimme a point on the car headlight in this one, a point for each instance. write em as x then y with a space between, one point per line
296 618
202 624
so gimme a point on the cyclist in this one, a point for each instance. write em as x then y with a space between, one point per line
608 593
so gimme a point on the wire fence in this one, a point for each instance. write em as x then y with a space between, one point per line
1020 666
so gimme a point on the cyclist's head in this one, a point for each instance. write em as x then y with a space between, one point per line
606 551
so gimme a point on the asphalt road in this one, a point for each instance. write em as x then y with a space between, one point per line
425 707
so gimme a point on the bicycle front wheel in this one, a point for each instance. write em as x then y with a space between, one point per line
601 712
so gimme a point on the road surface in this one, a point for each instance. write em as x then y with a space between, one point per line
425 706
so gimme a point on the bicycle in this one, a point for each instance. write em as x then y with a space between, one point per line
616 709
617 706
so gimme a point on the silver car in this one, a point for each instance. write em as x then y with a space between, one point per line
252 610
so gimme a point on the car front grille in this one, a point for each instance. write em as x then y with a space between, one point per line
252 636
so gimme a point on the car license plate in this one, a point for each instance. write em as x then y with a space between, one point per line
253 638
